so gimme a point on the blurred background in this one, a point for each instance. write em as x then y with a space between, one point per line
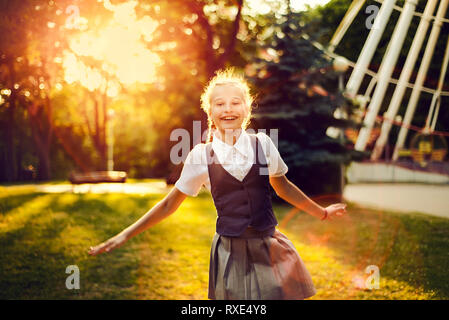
84 82
91 90
78 76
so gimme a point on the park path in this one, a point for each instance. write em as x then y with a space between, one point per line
132 188
404 197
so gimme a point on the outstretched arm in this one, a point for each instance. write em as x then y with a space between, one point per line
292 194
160 211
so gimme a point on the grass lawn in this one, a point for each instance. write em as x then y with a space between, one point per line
43 233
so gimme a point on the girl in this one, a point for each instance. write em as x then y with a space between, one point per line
249 258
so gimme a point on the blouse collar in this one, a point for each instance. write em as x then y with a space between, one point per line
241 145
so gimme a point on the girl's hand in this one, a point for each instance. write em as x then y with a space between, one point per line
111 244
336 210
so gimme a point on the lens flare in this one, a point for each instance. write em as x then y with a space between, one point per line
114 55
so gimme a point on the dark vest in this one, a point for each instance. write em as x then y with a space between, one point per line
244 203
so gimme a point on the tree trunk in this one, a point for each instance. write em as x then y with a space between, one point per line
98 136
104 131
43 169
42 133
10 167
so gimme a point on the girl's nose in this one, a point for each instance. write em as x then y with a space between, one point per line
227 107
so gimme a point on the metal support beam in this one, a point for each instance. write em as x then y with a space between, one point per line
385 71
422 72
349 17
406 73
369 48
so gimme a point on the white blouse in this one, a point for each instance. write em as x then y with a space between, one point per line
237 160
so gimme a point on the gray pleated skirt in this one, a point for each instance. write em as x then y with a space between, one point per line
257 266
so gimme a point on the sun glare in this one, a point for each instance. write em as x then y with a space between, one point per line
119 48
266 6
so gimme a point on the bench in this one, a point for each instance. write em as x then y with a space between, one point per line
97 177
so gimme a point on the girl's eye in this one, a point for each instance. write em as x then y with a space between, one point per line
234 103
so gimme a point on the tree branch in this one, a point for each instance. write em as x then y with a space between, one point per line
233 38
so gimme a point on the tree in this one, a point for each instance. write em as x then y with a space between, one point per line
196 38
26 59
298 94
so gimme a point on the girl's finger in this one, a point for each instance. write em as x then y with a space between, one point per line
104 247
100 248
94 251
91 249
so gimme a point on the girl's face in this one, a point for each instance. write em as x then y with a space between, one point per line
228 108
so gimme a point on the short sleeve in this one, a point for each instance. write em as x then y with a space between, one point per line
194 172
276 166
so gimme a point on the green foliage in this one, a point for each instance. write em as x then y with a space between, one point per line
29 71
206 40
45 121
67 133
298 95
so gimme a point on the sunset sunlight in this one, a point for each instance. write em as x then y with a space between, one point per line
119 50
190 150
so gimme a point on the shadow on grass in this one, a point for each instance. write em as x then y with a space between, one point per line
30 269
11 202
45 233
44 241
407 247
42 234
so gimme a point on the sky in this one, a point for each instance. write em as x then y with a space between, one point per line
300 4
262 7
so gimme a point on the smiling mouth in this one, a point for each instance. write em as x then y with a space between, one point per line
228 118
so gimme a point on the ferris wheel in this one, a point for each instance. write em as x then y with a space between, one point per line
427 144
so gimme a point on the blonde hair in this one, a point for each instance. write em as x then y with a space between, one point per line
225 77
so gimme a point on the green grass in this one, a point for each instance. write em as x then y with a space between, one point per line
42 233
